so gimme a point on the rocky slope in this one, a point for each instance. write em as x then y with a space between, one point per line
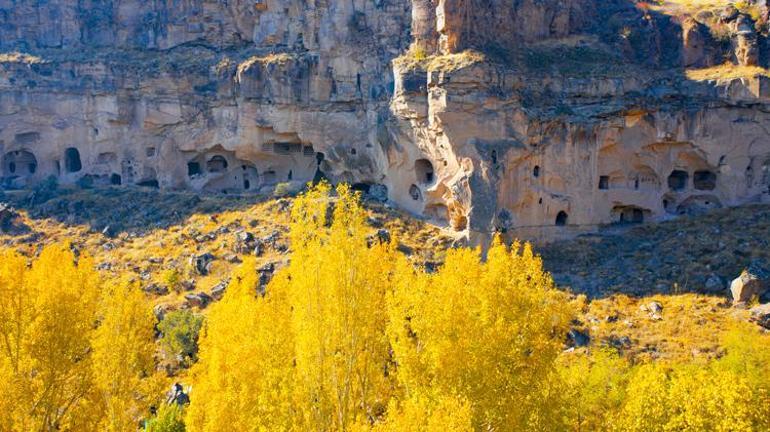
182 249
539 118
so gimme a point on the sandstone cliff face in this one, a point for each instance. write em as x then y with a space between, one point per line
565 116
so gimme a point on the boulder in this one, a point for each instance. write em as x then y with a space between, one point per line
202 263
761 315
188 284
654 307
160 311
381 236
218 291
750 284
577 338
200 300
155 288
232 258
10 220
245 242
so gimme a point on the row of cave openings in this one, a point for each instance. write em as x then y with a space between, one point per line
249 177
22 163
678 181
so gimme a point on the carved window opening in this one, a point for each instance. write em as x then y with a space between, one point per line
193 169
424 171
604 182
72 161
677 181
704 180
561 218
20 162
415 193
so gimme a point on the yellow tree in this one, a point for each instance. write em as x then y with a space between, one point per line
244 375
336 285
59 346
426 413
592 389
312 354
728 394
16 313
59 368
487 332
123 356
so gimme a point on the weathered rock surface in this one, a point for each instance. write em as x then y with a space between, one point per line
751 284
761 315
575 114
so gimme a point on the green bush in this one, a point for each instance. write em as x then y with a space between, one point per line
168 419
282 190
180 331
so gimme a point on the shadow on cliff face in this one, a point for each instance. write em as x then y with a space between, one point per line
620 38
113 211
697 254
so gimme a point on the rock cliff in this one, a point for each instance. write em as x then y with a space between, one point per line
538 118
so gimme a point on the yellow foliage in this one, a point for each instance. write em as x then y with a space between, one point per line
319 332
421 413
488 331
729 394
592 389
350 336
243 378
58 366
123 356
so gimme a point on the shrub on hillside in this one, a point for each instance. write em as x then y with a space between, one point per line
179 330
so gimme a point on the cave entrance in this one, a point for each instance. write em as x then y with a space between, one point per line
150 183
424 171
361 187
193 169
561 218
250 176
20 163
677 181
704 180
629 215
72 161
415 193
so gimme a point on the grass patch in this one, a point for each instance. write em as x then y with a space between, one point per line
416 58
727 71
19 57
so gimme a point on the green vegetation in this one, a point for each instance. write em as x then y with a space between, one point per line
170 418
417 58
179 330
